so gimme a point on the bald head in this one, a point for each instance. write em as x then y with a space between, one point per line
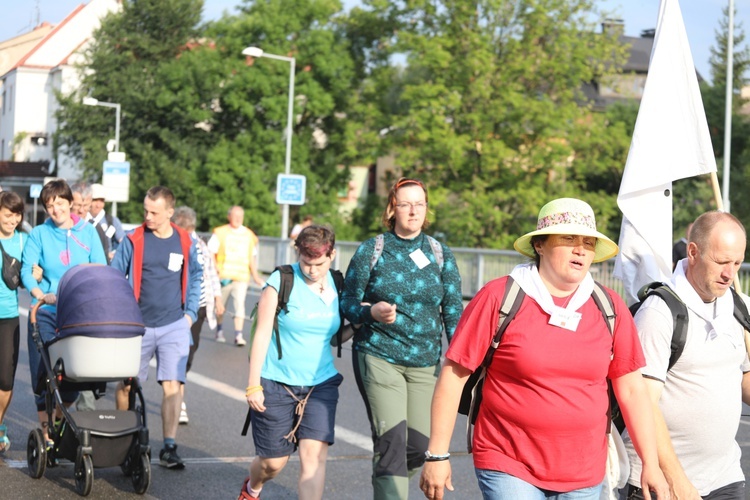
236 216
715 252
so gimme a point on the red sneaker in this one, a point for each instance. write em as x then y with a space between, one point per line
244 495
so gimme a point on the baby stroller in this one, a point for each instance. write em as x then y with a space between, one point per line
97 339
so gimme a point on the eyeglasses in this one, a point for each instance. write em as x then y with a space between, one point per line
416 206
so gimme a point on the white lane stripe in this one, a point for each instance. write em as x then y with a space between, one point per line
343 434
21 464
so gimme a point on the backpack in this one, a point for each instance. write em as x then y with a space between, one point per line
471 396
435 246
680 330
286 283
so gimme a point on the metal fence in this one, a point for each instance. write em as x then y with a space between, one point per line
477 266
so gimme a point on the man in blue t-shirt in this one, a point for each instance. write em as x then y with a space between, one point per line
161 262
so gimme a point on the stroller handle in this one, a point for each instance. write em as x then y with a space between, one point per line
39 303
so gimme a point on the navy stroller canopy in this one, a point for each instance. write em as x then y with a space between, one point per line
97 301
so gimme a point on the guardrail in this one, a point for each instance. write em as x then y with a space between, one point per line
477 266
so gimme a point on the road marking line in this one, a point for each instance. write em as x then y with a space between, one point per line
343 434
348 436
21 464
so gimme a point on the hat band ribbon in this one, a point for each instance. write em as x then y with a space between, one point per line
576 218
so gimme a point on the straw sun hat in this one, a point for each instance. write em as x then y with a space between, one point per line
568 216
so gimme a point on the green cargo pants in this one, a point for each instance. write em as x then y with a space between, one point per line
398 400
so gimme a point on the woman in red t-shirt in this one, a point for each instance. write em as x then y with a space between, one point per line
541 430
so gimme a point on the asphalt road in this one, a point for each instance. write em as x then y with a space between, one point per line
217 456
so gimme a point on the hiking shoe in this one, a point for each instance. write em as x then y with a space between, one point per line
220 337
239 341
183 415
169 458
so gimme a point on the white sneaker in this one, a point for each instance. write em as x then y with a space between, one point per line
183 415
239 341
220 336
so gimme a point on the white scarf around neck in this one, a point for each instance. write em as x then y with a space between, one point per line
527 277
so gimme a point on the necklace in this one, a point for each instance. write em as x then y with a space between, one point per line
322 288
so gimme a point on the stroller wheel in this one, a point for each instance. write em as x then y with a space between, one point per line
141 474
84 474
36 454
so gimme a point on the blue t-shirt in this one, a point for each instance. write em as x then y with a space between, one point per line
161 280
9 298
306 333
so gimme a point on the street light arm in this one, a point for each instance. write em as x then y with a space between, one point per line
258 52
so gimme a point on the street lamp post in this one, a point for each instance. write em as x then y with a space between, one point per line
257 52
91 101
728 107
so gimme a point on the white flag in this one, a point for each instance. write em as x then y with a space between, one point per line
670 142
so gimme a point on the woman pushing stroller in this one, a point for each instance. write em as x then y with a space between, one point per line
63 241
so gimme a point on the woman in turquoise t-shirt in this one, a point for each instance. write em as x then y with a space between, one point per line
304 379
11 214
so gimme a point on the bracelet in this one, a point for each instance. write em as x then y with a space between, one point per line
253 389
429 457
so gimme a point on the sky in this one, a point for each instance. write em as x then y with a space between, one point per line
701 18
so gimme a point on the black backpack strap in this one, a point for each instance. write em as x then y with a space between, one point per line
604 302
338 281
471 397
247 421
679 316
286 282
740 310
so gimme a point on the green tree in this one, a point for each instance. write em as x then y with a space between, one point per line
489 110
714 98
208 122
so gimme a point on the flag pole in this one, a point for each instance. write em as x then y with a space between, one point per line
720 207
737 286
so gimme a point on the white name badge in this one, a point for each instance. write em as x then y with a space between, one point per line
110 231
328 296
175 262
419 258
565 319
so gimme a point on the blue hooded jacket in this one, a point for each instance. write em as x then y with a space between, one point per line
56 250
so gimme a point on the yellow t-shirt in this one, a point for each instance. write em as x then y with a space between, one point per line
236 248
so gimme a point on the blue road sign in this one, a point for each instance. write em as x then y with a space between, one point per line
35 190
290 189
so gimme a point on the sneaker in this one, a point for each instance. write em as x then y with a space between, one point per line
220 336
169 458
239 341
183 415
244 495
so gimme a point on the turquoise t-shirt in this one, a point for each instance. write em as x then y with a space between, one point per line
9 298
305 333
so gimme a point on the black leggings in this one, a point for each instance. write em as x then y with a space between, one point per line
10 335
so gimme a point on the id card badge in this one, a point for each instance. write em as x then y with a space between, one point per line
175 262
110 231
565 319
328 296
419 258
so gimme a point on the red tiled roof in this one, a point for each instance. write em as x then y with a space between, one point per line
48 36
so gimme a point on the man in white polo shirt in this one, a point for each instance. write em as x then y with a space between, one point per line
698 401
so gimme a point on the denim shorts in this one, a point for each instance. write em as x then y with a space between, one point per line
496 485
270 426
